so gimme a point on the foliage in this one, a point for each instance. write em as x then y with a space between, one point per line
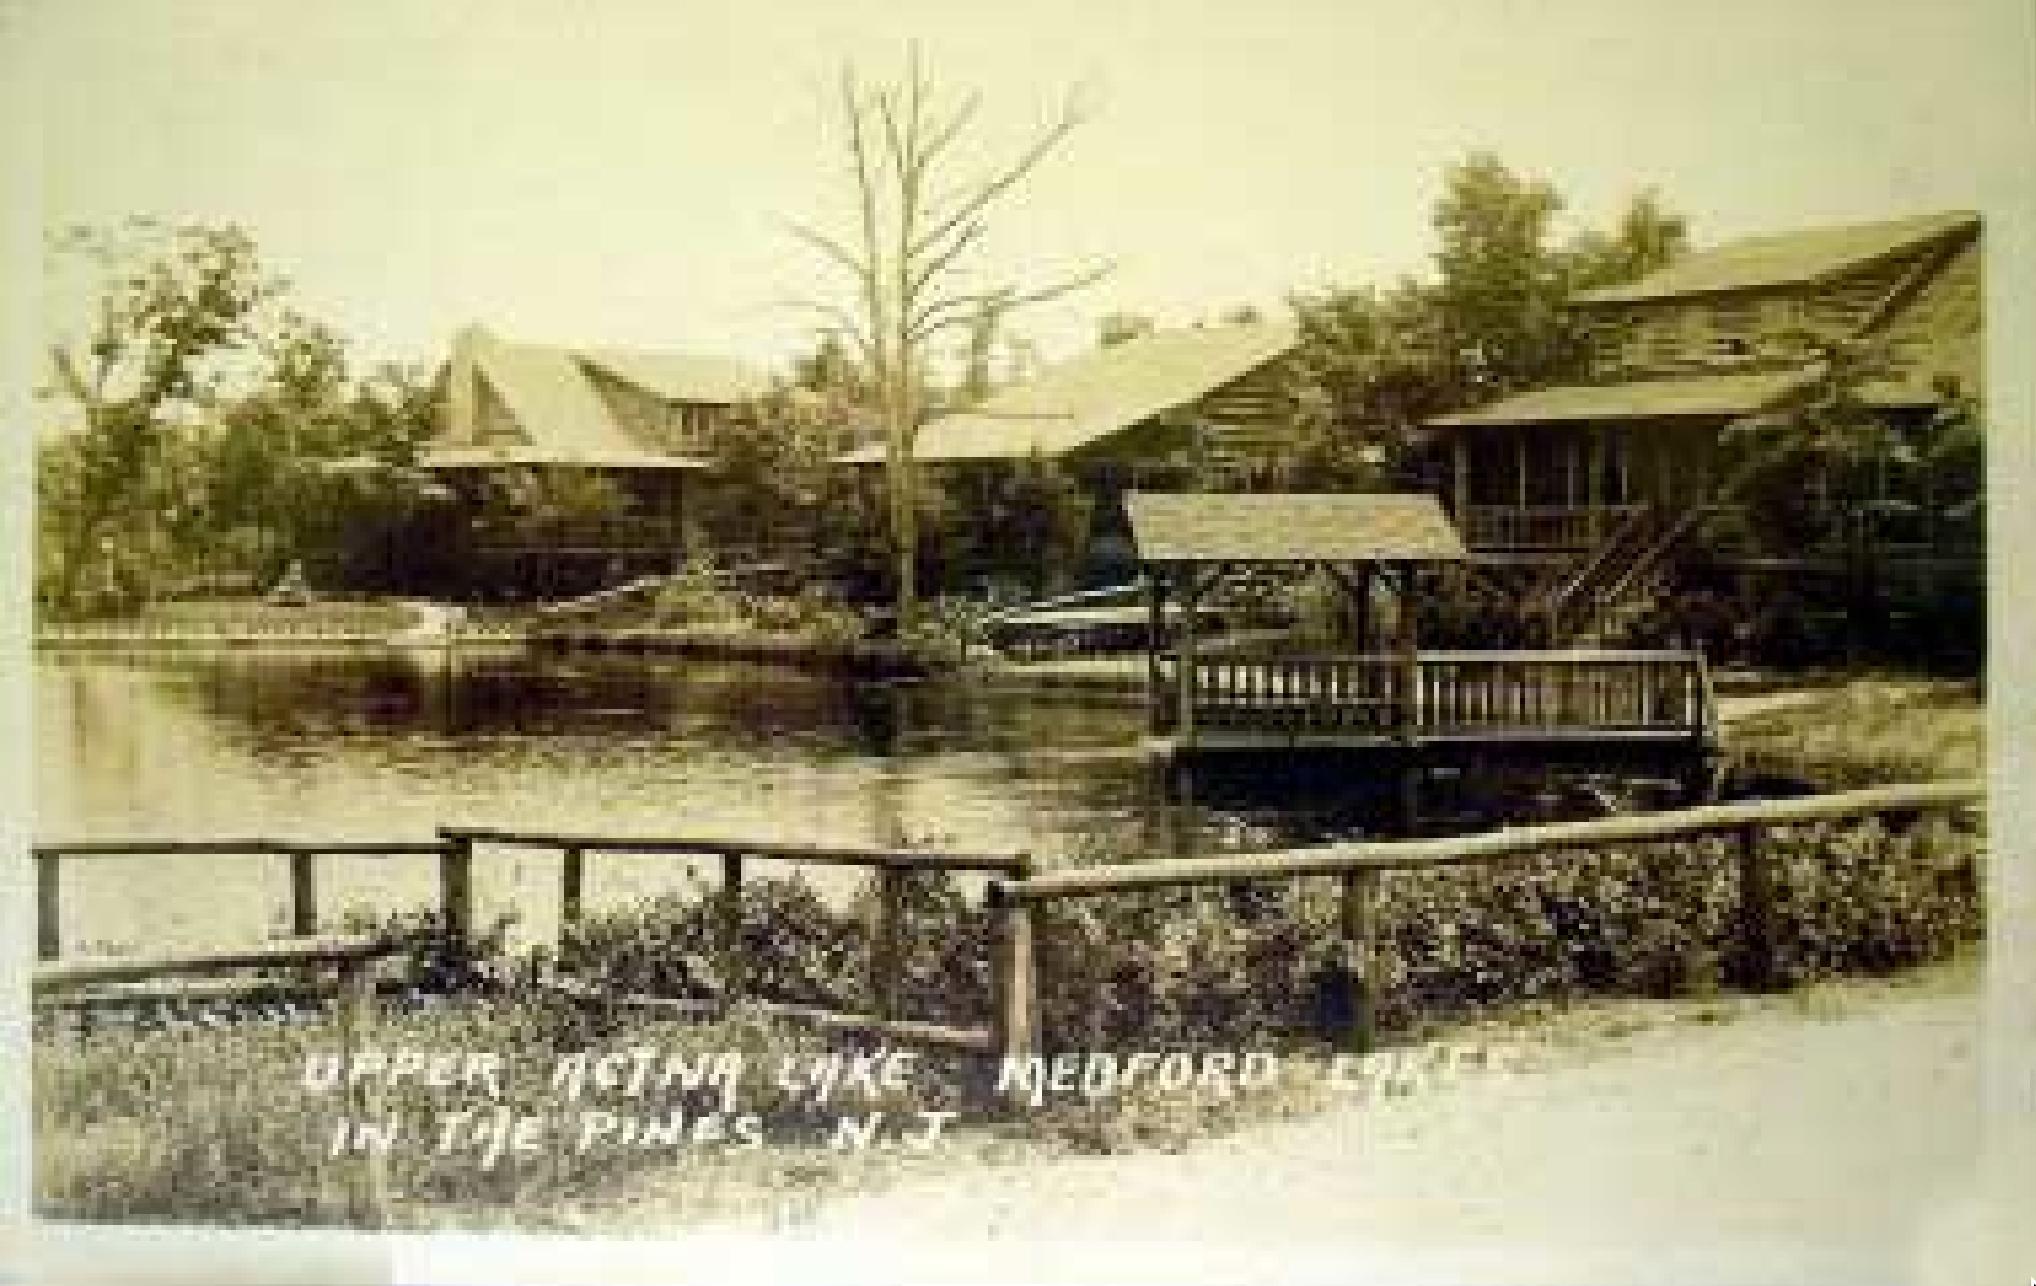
217 432
1374 363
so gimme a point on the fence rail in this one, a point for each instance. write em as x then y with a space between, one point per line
1358 866
302 856
351 958
891 867
1016 893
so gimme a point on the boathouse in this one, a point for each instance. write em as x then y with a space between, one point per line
1375 691
1593 491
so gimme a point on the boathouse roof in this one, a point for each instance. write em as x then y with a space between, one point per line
1178 527
1101 393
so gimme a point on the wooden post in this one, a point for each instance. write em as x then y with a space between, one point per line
1410 658
885 954
1459 456
1155 639
303 892
1357 925
1014 989
1756 912
572 880
456 887
49 935
367 1182
1520 472
729 929
1184 657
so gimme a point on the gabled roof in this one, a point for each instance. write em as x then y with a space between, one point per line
681 377
1786 258
562 418
1078 402
1176 527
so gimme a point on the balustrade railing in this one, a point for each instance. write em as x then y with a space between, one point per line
1441 694
1535 527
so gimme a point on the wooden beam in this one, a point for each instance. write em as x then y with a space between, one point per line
68 975
49 936
728 930
367 1166
303 893
1520 843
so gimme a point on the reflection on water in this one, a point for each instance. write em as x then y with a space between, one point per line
372 745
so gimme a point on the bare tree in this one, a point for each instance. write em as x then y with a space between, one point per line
908 259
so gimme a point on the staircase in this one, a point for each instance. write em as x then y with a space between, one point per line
1600 598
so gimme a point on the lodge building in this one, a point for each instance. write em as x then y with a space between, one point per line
1600 484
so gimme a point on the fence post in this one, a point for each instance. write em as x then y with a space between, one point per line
885 955
1357 925
49 935
303 892
456 887
367 1180
1756 911
572 883
729 929
1014 987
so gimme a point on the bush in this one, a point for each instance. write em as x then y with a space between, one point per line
1233 967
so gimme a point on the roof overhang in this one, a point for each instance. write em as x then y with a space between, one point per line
524 457
1718 396
1291 527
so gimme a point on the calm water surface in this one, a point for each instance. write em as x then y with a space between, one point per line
383 745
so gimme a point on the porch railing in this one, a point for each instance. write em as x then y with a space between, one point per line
1535 527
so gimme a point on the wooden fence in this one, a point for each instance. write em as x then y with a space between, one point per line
1018 891
891 867
352 960
302 857
1357 868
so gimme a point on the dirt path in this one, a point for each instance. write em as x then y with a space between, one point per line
1810 1138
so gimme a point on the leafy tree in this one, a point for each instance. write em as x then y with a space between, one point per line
179 309
907 261
1373 364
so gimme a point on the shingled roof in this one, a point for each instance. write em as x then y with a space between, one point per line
1786 258
1705 395
1101 393
1713 396
1179 527
562 418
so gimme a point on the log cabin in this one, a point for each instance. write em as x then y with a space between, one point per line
645 423
1595 487
1164 408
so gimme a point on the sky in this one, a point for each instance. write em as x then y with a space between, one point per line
622 171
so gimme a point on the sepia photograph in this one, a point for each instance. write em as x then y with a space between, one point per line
1085 642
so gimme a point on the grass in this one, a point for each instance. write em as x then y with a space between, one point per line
1866 732
215 1126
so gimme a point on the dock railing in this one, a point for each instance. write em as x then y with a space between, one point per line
1357 868
1461 695
1011 1002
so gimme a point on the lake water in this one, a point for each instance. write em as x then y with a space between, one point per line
372 745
